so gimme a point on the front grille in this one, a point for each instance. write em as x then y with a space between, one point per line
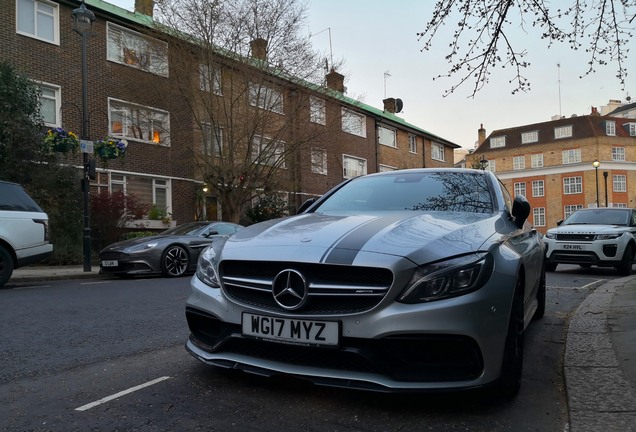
576 237
111 255
333 289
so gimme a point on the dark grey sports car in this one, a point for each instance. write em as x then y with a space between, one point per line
398 281
172 253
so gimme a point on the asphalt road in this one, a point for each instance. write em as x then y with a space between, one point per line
108 355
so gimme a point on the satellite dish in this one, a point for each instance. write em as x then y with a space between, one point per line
398 105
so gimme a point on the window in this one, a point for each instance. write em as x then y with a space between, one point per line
563 132
518 162
317 112
571 156
266 98
268 152
319 161
39 20
353 166
520 189
150 190
354 123
412 144
618 153
499 141
619 205
529 137
492 166
437 152
538 215
632 129
140 123
50 104
610 128
136 50
385 168
212 140
536 160
619 183
538 188
387 137
210 79
572 185
569 209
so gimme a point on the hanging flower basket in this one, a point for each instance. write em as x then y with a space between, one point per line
59 140
110 148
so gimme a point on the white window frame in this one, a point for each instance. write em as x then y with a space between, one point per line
353 166
610 128
529 137
498 141
438 152
619 183
519 188
36 13
210 79
134 116
492 166
56 100
133 49
536 160
212 140
572 185
387 136
538 216
317 110
632 129
318 160
538 188
386 168
571 156
518 162
354 123
121 181
563 132
569 209
267 98
618 153
412 144
266 151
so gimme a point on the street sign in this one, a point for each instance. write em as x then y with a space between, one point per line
86 146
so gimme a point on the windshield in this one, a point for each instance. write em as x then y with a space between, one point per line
599 216
416 191
193 229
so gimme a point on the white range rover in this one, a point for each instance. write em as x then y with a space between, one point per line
602 237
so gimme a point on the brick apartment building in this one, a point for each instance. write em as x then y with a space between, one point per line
132 94
553 163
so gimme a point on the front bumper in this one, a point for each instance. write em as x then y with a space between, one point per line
603 253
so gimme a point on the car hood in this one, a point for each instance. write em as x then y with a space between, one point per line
150 239
588 229
344 238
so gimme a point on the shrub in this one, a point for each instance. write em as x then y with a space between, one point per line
268 207
110 212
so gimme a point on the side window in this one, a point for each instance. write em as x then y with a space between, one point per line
507 197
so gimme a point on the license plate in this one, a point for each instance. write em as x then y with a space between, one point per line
573 247
291 331
110 263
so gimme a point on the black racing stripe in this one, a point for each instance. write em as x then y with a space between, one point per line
346 250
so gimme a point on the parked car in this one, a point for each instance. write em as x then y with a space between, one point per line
421 279
172 253
602 237
24 230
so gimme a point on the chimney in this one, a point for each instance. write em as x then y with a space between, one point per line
594 112
481 135
389 105
335 81
259 49
144 7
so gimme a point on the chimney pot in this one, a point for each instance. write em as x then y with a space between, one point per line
335 81
259 49
389 105
144 7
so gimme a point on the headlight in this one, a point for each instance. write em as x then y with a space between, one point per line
449 278
607 236
140 247
550 235
207 267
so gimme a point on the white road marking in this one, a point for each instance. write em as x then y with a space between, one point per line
95 283
121 393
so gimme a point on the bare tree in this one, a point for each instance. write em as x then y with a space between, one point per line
482 37
245 70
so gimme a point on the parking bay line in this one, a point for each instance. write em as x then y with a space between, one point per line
121 393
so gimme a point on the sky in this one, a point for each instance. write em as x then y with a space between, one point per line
377 39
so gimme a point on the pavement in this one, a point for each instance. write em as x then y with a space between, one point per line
600 351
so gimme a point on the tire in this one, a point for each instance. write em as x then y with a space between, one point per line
6 266
538 314
512 365
175 261
625 266
550 267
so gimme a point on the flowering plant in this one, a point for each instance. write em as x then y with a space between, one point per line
111 148
59 140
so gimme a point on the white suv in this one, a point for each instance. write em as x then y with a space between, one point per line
596 236
24 230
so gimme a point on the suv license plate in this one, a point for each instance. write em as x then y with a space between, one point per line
573 247
291 331
110 263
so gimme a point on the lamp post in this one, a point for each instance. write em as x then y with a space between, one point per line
483 163
605 177
82 24
596 164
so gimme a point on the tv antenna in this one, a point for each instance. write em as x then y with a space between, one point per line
386 75
559 82
328 29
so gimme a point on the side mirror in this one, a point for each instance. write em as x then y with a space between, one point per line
520 210
304 206
211 233
559 222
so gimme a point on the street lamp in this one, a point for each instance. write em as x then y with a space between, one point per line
82 24
605 177
483 162
596 164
